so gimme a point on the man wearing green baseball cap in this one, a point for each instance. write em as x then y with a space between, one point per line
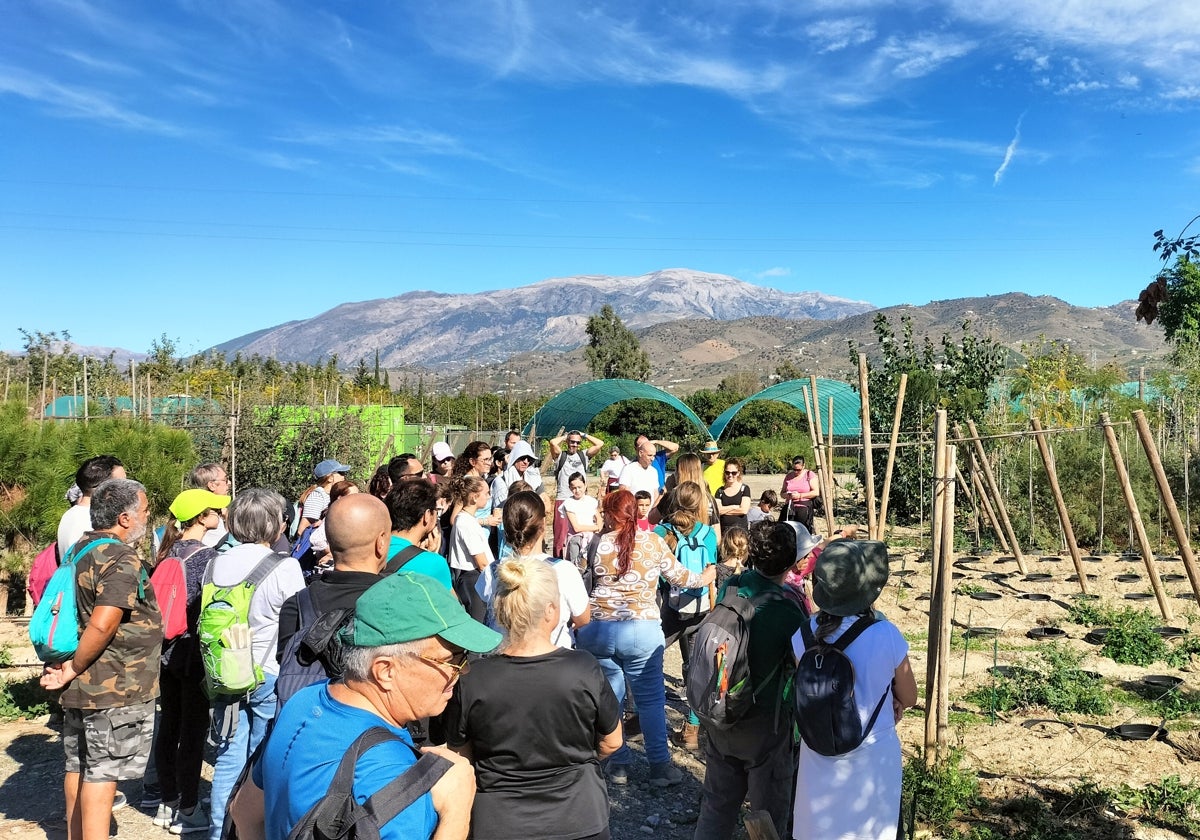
404 652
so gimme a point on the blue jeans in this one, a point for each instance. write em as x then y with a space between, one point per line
254 713
633 650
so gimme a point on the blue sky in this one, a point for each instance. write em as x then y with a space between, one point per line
205 169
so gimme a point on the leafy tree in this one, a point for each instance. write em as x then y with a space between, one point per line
953 375
788 371
1179 311
613 351
741 384
1046 382
709 404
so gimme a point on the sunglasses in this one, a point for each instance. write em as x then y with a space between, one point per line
458 668
731 472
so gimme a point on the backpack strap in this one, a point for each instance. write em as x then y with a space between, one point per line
264 567
875 714
72 555
306 608
853 632
402 557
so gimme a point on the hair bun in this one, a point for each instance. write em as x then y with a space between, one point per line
511 575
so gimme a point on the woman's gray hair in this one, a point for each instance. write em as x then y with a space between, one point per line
111 499
256 515
356 661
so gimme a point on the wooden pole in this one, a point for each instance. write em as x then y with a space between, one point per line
1114 451
828 493
812 422
891 458
1164 490
864 399
950 463
823 456
986 504
989 480
86 414
936 605
1064 517
45 369
133 387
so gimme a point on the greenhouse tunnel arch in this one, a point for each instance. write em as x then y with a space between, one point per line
846 405
576 407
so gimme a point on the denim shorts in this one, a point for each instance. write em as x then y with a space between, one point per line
108 745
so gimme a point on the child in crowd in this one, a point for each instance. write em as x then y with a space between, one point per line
767 502
808 550
733 553
643 506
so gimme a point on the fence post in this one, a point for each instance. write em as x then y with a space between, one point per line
1064 517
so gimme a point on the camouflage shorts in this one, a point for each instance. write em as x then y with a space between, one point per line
108 745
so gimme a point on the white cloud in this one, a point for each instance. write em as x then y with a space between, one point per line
834 35
777 271
920 55
79 102
1183 92
1083 87
1009 152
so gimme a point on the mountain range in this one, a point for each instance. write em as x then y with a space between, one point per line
696 327
449 332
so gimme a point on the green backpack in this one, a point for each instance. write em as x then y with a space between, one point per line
224 631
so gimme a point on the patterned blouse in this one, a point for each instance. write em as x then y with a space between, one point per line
630 596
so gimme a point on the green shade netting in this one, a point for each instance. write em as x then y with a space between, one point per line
846 405
576 407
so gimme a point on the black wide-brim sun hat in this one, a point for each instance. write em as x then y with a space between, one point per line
849 576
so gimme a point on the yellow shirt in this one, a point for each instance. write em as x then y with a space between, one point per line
714 475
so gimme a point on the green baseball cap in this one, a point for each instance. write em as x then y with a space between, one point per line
405 607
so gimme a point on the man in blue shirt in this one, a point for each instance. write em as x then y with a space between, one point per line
403 655
413 508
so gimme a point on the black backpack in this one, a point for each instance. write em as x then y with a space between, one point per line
719 688
338 814
826 711
402 557
314 652
583 559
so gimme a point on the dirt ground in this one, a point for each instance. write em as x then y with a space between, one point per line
1014 760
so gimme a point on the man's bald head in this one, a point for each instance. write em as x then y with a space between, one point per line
358 528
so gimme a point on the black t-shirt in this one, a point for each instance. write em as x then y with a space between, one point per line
333 591
724 497
533 723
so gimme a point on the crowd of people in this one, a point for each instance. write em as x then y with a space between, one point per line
418 641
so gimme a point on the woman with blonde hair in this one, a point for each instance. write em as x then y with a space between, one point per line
695 546
536 719
688 467
625 632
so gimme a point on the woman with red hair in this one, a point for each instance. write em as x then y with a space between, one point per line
625 632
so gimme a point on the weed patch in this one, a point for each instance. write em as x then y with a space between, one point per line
1052 680
23 699
942 793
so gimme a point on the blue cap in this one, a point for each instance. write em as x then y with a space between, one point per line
329 466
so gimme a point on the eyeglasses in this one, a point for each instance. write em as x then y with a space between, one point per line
420 474
458 668
574 442
731 472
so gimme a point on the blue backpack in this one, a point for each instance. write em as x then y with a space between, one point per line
692 553
54 627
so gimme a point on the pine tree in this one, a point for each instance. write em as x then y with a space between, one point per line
613 351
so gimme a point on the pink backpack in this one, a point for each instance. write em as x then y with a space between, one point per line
169 583
44 567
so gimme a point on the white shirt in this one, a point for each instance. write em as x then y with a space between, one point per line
76 522
584 510
571 464
635 477
612 467
284 581
572 600
467 539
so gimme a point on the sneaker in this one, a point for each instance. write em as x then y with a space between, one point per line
185 823
618 774
119 801
165 814
665 774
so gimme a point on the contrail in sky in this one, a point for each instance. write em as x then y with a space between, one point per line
1009 152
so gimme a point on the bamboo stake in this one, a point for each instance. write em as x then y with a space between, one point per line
989 480
986 504
864 399
950 463
891 458
1064 517
827 492
1135 517
823 457
812 423
1164 490
936 597
86 415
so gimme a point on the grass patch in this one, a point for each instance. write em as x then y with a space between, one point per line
1131 639
1053 679
942 793
23 699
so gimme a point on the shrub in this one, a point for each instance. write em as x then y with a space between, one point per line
1055 682
942 792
